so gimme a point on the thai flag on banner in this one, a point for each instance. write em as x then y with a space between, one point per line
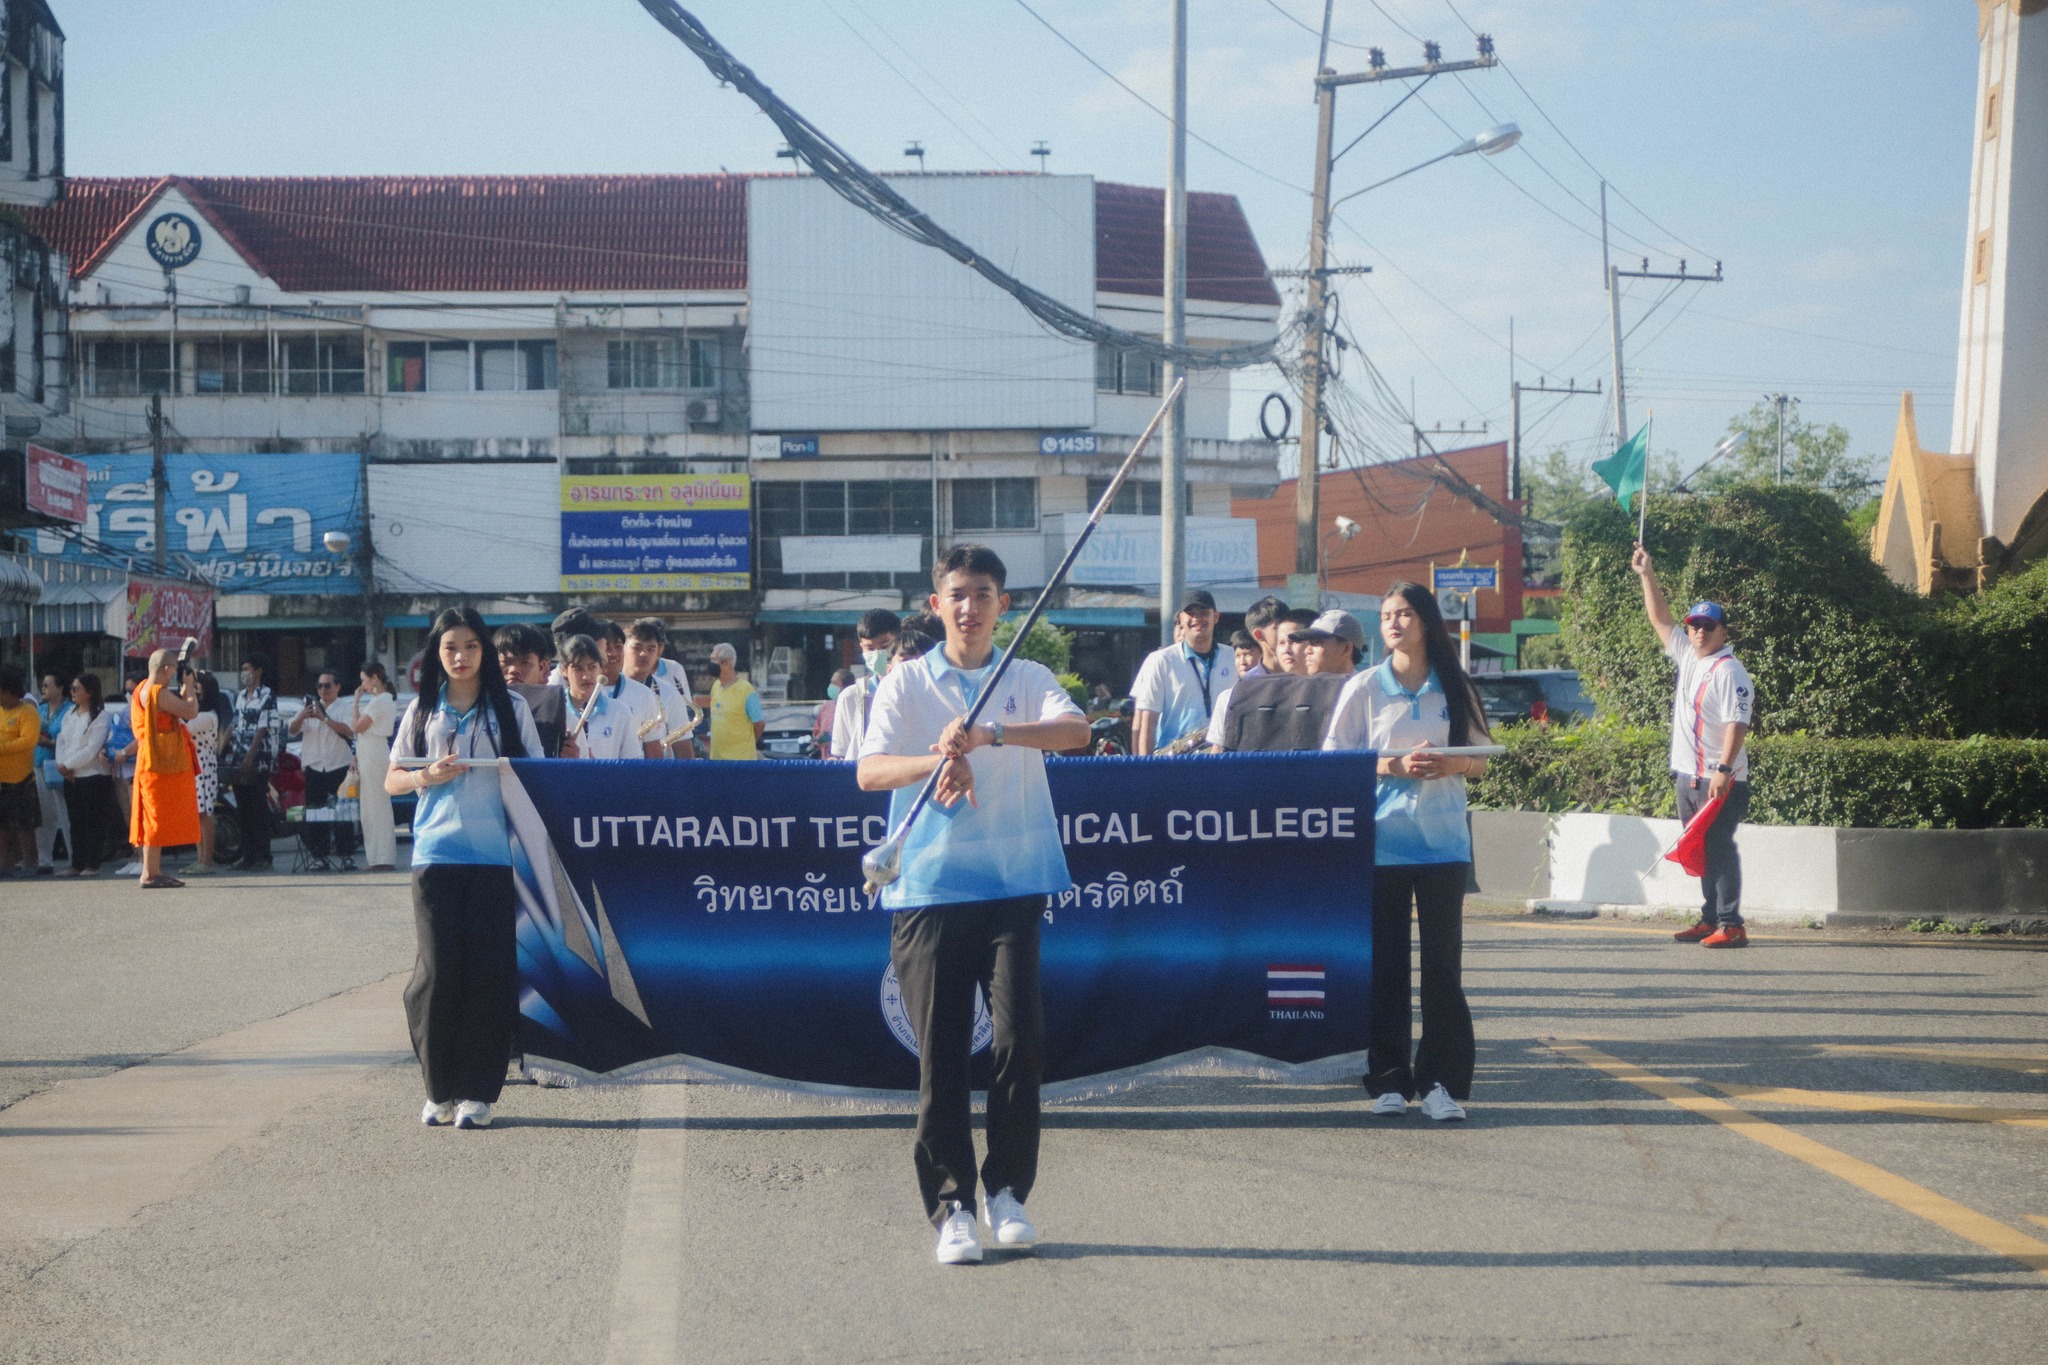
1293 984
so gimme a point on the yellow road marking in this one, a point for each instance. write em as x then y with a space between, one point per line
2000 1061
1878 1104
2037 1218
1943 1212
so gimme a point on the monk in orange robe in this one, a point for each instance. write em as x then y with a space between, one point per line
166 807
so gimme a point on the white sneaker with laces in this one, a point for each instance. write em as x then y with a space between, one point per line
1393 1104
474 1114
438 1115
1008 1223
1439 1105
957 1243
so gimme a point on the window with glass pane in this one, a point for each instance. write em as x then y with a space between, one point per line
824 508
644 363
538 358
1107 366
231 365
497 366
703 364
1138 497
341 362
1141 375
124 369
405 367
448 367
995 504
910 505
867 508
782 509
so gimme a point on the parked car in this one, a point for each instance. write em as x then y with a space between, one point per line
1544 696
787 732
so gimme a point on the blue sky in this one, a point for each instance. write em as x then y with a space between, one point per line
1820 150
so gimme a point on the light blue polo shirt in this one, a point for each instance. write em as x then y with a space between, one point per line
1418 822
463 821
1008 845
1182 688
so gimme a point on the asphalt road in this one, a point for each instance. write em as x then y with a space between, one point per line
1824 1148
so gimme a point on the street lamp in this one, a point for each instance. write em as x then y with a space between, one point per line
1492 141
1729 444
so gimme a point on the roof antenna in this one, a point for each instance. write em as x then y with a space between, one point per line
1040 150
916 149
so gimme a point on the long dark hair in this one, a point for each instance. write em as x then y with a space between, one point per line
501 717
1459 696
96 701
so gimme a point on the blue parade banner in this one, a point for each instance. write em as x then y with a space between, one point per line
708 920
248 522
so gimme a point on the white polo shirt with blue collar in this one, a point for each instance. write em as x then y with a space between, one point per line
1418 821
463 821
1182 688
1007 845
610 731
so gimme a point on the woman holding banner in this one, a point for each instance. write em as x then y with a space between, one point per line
1417 700
462 1001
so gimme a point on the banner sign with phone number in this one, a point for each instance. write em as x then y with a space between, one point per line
656 533
707 920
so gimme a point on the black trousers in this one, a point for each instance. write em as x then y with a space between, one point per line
252 815
1721 887
463 1000
941 955
1436 892
95 815
322 786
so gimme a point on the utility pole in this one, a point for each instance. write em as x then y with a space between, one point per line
1614 276
1781 400
373 625
1303 583
1173 439
158 479
1515 391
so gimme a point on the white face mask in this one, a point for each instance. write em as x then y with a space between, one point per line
877 661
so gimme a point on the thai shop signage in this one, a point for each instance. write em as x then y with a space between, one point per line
164 612
656 533
249 523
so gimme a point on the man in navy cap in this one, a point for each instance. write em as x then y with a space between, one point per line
1177 686
1709 723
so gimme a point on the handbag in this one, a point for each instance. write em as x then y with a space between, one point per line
170 749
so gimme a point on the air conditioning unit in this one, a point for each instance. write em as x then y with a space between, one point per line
701 411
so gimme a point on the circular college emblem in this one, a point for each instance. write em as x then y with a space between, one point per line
899 1022
173 240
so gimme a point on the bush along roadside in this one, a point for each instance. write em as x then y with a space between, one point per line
1614 769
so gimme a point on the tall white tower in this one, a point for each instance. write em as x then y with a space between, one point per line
1954 520
2001 411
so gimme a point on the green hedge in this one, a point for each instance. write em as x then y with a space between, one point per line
1797 780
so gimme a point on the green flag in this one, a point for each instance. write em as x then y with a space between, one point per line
1624 469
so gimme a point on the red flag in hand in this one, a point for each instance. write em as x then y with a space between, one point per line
1690 852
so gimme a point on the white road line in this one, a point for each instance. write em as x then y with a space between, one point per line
647 1302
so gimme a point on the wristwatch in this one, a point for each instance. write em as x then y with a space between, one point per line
995 730
1723 768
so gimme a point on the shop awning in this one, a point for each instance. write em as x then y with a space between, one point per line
20 586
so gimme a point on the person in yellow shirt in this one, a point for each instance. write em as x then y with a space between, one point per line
736 719
21 805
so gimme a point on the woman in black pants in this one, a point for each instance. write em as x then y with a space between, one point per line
462 1003
1416 701
88 776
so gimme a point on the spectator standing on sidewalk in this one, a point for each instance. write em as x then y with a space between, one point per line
166 807
258 740
88 776
736 716
52 705
373 717
200 689
1177 686
326 752
21 808
1710 716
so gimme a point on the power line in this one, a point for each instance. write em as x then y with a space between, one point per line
867 191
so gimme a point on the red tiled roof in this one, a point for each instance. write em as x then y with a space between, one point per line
559 232
1224 262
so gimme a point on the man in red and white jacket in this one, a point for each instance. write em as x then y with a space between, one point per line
1710 715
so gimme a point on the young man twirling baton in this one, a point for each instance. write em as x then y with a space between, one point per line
975 874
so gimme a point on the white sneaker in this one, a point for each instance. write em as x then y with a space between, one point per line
957 1243
477 1114
1439 1105
132 867
1008 1223
1393 1104
438 1115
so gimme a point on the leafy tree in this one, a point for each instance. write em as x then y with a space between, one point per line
1816 456
1046 644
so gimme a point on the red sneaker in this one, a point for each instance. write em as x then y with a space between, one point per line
1735 936
1694 934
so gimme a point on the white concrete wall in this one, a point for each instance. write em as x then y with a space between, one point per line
472 528
1615 862
856 327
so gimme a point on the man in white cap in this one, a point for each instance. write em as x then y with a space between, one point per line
1178 685
1335 643
1709 724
